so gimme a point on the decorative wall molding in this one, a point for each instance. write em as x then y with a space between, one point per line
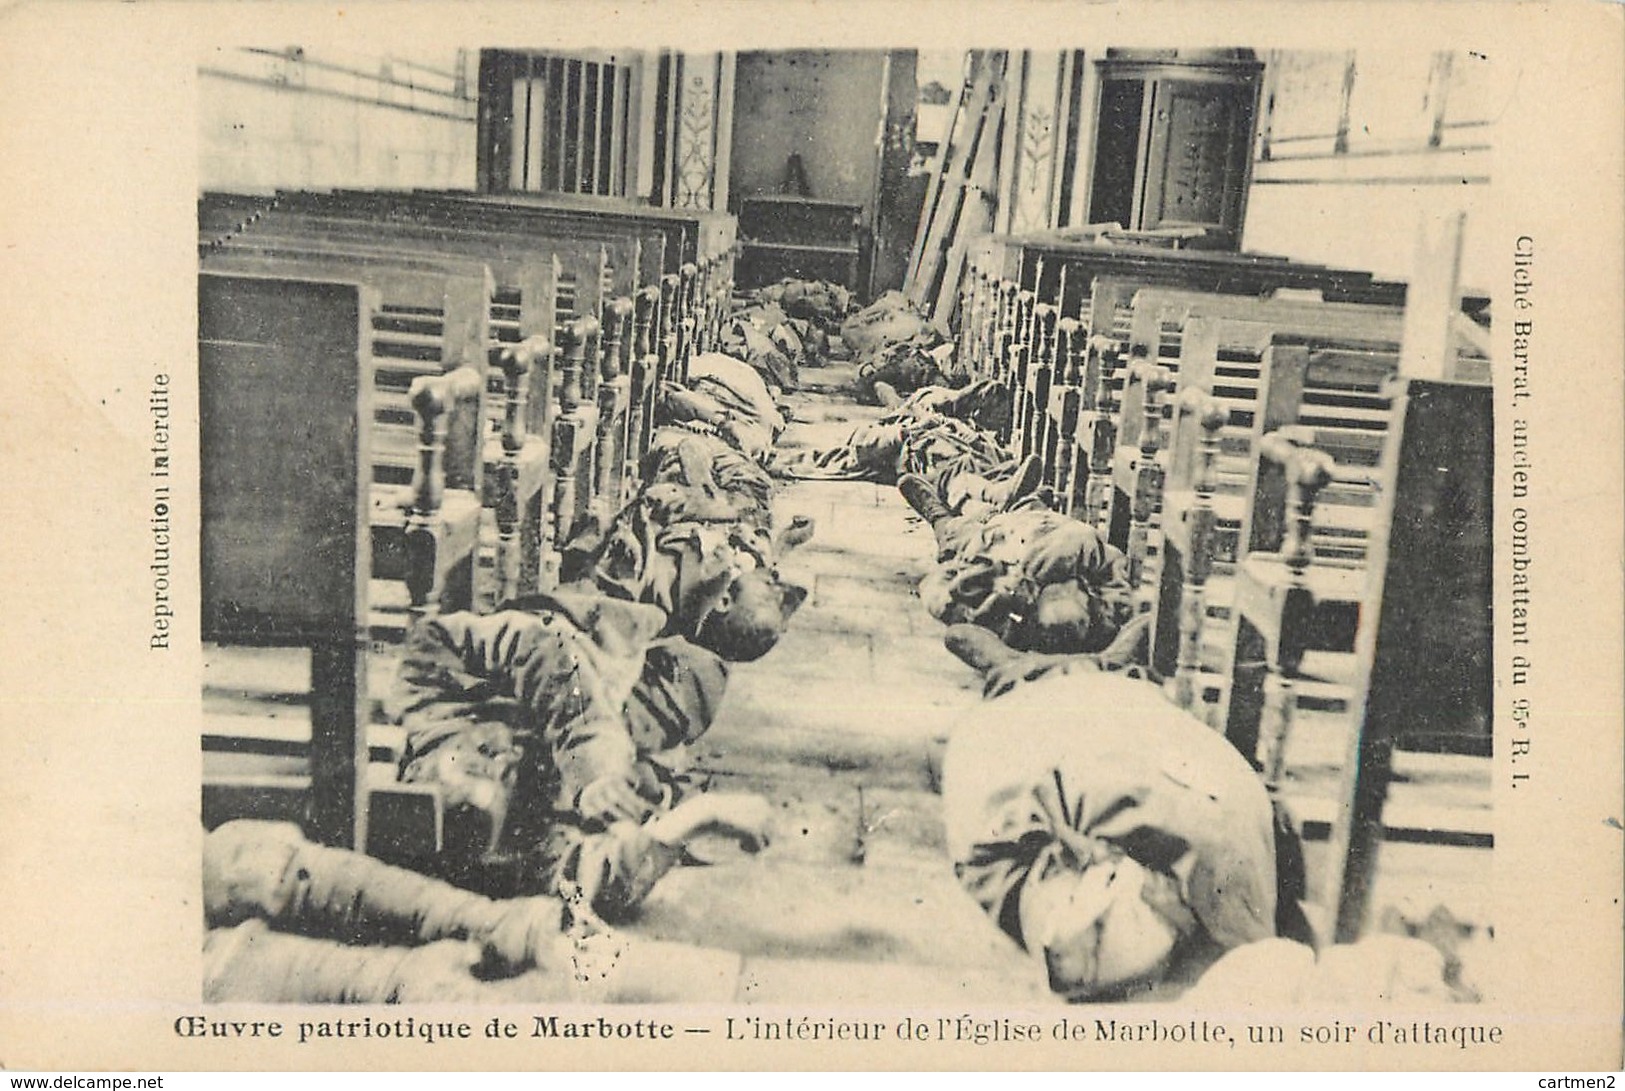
701 130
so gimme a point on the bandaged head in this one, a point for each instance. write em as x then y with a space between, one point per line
1103 929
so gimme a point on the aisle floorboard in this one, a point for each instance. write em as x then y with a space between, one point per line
855 900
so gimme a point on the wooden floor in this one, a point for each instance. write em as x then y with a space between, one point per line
855 900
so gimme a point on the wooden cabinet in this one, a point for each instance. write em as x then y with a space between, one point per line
787 236
1173 144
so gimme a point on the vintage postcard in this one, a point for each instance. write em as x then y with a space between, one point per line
814 536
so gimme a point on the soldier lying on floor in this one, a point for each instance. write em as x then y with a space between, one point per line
728 398
934 431
1038 579
290 921
567 724
1113 836
697 542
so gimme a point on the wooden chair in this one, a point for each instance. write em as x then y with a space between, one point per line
1423 674
1217 504
457 300
428 325
580 276
1407 632
697 247
287 548
1160 324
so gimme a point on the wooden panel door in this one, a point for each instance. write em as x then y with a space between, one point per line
1196 165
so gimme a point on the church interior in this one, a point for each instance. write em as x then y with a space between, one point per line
852 526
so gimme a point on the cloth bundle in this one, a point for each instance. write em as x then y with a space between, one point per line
729 397
1110 834
824 304
887 321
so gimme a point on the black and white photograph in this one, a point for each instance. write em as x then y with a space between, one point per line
798 545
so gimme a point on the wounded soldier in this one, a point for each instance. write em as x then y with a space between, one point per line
290 921
697 543
934 432
1040 580
283 912
1112 835
727 397
567 725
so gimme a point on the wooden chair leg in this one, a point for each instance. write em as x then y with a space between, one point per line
1210 417
340 709
1245 704
433 398
1358 833
1275 722
1147 498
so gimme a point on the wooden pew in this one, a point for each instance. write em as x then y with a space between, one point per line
1064 269
701 248
287 547
694 249
418 297
1409 630
634 256
1157 336
577 269
1064 272
585 275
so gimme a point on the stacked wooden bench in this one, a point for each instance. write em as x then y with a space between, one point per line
502 363
700 252
285 394
1309 529
584 289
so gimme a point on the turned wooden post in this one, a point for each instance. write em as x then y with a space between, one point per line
1040 372
1104 360
573 345
718 293
613 422
573 429
1061 451
1153 380
615 320
670 293
1210 417
1020 352
1005 330
1307 471
433 399
645 370
688 319
517 363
